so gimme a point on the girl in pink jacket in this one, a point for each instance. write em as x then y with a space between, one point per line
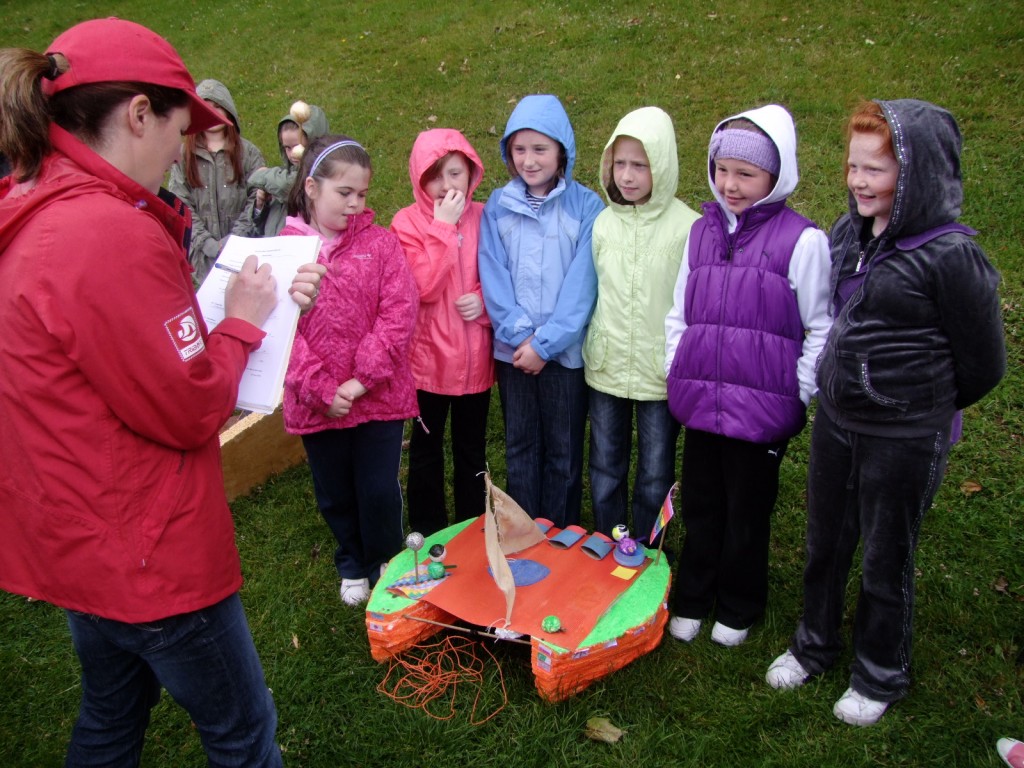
451 350
349 387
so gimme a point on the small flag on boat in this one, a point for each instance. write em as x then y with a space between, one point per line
664 515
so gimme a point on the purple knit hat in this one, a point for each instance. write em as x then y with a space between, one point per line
748 146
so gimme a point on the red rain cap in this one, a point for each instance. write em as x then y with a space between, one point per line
115 50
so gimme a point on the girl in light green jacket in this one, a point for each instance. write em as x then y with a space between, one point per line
638 244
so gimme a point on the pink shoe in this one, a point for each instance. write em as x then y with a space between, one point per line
1012 752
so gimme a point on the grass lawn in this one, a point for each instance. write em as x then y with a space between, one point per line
384 71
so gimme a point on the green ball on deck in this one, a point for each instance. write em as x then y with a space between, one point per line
551 624
436 570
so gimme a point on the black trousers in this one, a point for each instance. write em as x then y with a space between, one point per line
425 495
874 489
727 494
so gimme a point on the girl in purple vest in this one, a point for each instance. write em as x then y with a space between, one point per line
750 316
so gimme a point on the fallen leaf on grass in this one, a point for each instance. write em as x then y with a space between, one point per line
295 641
601 729
982 705
1001 585
969 487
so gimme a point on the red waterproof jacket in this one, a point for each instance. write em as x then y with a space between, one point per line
112 393
449 355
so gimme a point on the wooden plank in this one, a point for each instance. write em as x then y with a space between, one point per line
254 448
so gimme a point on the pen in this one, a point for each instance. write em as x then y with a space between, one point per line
226 267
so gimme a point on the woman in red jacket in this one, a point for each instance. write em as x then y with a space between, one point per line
113 391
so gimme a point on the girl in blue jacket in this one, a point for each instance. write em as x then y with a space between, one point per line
539 288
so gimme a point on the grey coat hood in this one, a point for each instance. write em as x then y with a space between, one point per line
218 93
929 192
314 128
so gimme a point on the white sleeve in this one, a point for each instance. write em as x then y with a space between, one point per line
675 323
809 275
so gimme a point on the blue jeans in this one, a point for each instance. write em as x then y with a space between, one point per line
611 442
355 478
545 419
875 490
207 662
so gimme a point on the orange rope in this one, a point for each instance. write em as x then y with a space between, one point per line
418 683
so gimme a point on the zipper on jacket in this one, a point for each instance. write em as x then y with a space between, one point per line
462 292
631 319
860 260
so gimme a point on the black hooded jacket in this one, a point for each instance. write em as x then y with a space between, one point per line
922 336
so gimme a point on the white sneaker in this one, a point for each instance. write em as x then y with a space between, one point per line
728 636
1012 752
684 629
856 709
355 591
786 672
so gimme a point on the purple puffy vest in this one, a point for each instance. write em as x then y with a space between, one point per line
735 369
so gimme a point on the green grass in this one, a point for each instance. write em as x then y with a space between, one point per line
376 67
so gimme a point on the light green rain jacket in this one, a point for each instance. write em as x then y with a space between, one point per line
637 251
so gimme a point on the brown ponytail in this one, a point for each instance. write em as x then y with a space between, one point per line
24 110
26 113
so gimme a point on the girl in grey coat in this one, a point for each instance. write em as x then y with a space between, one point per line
211 180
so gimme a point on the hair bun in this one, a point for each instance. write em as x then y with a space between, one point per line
300 112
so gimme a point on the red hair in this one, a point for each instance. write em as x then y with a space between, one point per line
867 117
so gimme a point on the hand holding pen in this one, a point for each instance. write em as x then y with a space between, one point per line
251 292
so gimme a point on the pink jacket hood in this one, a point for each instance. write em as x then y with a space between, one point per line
450 356
429 147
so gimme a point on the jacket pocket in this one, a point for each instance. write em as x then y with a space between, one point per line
855 391
595 348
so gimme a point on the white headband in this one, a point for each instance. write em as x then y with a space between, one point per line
326 152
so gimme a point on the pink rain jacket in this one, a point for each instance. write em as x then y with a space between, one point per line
360 328
449 355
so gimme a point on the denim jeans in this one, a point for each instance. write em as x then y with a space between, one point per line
545 418
428 511
874 489
611 442
355 478
727 492
207 662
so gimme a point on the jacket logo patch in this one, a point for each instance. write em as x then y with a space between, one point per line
184 332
